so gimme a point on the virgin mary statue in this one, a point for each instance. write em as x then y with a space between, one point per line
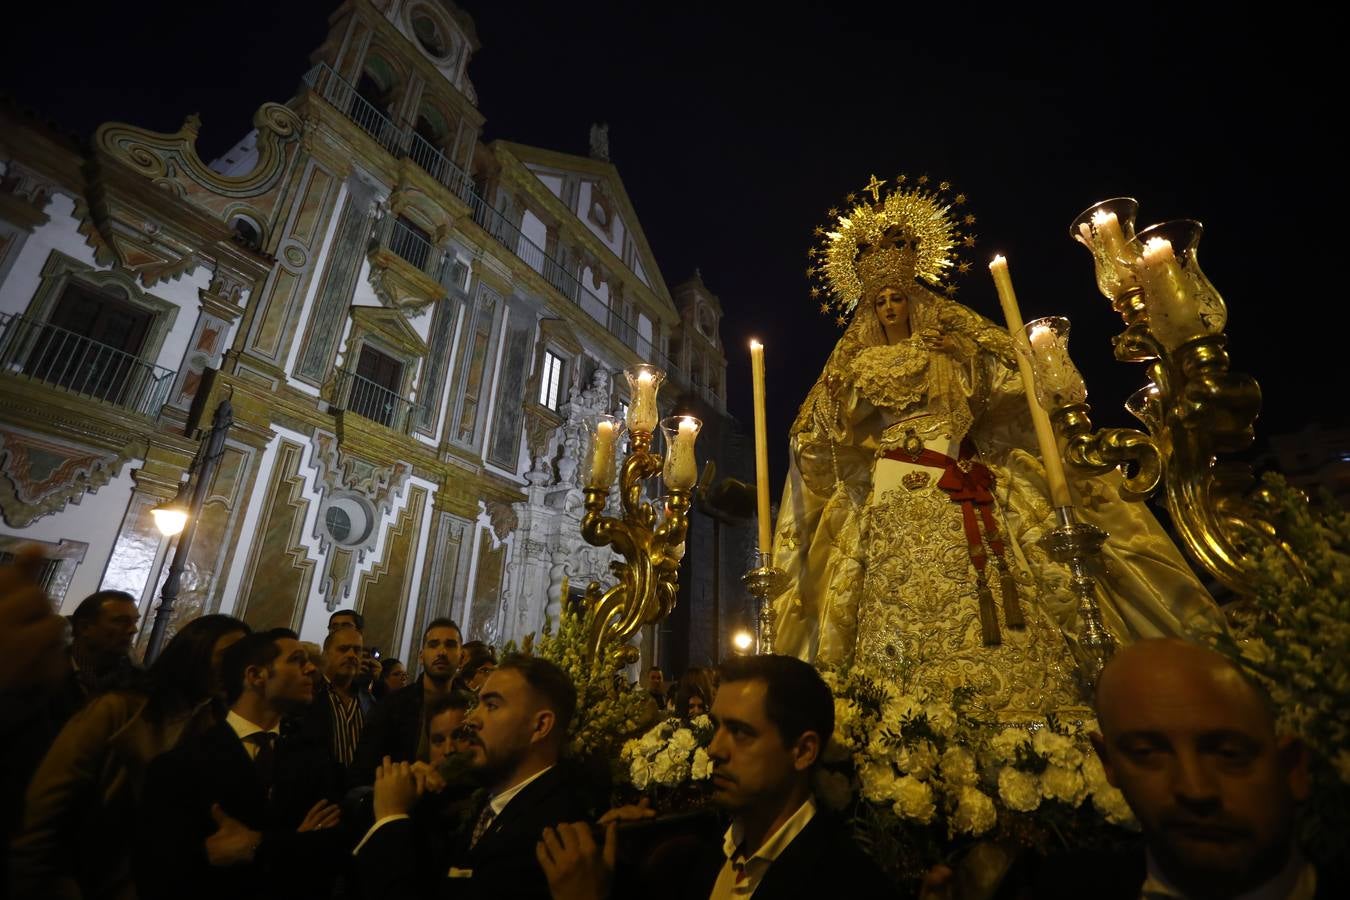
909 525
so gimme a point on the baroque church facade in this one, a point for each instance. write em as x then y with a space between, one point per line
410 327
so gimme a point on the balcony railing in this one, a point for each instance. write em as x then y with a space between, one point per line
410 245
372 401
402 141
72 362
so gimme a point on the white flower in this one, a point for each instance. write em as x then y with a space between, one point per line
878 781
1006 743
702 765
669 769
1019 790
833 789
630 749
919 760
1057 749
1111 804
640 773
958 767
913 799
700 722
683 740
900 709
975 813
847 718
651 741
941 717
1061 783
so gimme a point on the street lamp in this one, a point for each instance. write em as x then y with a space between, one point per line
186 521
171 517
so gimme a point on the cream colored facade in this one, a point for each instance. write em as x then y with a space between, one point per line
408 323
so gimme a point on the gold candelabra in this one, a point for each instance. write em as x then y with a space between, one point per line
651 546
764 582
1194 408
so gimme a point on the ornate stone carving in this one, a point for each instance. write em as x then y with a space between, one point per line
42 475
503 518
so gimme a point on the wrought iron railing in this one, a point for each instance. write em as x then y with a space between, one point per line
78 364
403 141
357 394
414 248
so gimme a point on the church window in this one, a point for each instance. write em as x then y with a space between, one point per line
375 390
550 383
90 343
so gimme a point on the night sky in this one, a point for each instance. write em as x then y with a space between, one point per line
734 134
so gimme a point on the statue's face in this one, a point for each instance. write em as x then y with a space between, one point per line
892 308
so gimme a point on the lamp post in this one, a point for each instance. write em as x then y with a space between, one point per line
206 470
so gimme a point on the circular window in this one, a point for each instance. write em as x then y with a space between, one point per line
428 34
348 520
339 524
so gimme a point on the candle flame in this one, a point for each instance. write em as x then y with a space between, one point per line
755 344
998 260
1101 216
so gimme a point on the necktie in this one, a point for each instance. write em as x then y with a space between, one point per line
481 826
264 761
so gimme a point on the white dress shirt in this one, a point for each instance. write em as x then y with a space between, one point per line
244 728
1296 881
741 876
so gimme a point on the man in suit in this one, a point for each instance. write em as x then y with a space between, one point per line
773 717
397 726
516 735
237 811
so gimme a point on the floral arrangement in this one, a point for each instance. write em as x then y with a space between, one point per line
1292 638
609 709
670 762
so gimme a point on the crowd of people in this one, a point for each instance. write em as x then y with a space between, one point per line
243 763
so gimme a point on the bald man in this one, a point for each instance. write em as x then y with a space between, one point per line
1191 743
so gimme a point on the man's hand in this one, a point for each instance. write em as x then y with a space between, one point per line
397 788
31 635
575 868
429 780
233 843
370 666
321 815
630 813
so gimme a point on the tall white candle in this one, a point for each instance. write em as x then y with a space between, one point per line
1045 434
761 451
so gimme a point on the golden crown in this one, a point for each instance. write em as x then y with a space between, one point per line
888 238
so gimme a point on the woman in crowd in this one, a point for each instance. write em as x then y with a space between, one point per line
77 835
393 677
694 697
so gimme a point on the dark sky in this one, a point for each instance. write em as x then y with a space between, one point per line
735 132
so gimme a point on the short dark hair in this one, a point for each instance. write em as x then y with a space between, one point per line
550 681
256 649
90 607
360 619
460 700
797 699
333 635
655 669
441 622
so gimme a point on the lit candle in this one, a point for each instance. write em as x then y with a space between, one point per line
1173 314
1045 434
642 414
602 455
1058 378
681 468
761 452
1109 234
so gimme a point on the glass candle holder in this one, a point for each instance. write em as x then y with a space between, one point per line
681 468
1176 289
1106 229
1058 382
605 432
643 383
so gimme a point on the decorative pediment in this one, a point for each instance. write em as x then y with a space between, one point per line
42 475
391 325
